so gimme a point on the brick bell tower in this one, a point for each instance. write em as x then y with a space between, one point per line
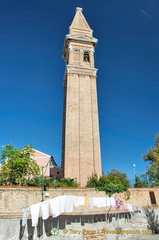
81 143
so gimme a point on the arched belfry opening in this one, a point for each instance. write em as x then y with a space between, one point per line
86 57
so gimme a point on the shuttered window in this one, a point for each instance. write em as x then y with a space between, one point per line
152 197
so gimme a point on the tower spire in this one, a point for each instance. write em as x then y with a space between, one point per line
79 24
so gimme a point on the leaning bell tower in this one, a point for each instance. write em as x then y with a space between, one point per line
81 143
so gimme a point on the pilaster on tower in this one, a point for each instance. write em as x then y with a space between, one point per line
81 144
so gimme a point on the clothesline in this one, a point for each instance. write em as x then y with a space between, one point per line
65 204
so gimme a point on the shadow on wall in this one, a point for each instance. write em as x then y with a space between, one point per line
60 222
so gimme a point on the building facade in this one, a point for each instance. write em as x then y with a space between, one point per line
50 168
81 142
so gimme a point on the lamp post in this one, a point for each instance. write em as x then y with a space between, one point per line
134 165
42 184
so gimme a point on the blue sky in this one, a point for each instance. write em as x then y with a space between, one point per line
32 69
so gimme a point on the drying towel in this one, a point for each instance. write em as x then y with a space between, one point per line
78 201
62 202
44 209
103 201
91 202
25 215
108 201
35 208
55 207
86 200
112 201
69 203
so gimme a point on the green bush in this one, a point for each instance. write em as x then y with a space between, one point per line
65 182
52 182
92 181
34 182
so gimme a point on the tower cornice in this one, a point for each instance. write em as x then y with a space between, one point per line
81 70
81 37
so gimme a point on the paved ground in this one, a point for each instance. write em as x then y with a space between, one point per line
142 237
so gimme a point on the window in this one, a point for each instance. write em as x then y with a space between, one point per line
51 164
152 197
57 172
86 57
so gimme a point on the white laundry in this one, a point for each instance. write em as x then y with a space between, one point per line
25 215
95 201
98 202
55 207
103 202
35 208
44 206
65 203
69 203
112 201
91 202
108 201
62 202
78 201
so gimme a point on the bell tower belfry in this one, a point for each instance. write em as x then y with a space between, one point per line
81 143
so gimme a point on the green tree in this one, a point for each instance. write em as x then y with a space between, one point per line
120 175
142 181
113 182
138 183
17 164
153 158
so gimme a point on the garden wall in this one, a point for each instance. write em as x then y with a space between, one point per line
13 199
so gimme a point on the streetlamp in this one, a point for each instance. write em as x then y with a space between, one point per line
134 165
42 184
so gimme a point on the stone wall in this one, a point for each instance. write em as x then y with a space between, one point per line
13 199
141 196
